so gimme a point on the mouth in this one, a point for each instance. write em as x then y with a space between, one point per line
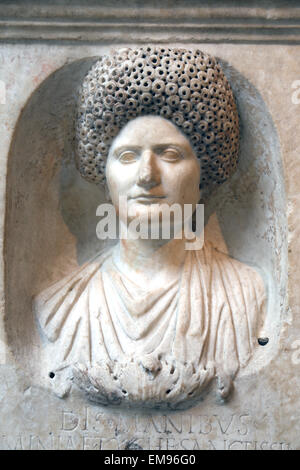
147 198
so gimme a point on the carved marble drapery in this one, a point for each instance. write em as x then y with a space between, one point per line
202 326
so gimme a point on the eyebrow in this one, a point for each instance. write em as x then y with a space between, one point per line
154 147
127 147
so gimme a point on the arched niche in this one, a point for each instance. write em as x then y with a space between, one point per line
51 211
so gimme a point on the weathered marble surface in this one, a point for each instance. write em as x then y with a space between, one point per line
264 410
148 322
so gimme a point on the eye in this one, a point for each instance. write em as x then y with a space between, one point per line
171 155
128 156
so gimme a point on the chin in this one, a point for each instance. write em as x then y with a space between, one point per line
144 209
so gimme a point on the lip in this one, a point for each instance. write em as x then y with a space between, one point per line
148 199
148 196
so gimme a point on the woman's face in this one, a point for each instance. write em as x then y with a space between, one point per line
151 163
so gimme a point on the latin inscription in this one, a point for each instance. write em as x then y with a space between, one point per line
90 429
92 442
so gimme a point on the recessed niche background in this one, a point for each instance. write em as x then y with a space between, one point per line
51 211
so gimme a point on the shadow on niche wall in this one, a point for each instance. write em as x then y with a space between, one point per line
51 211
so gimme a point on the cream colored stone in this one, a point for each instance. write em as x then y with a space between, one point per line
149 323
263 411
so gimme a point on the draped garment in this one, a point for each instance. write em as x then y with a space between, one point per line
208 317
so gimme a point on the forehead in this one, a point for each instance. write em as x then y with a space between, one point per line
149 131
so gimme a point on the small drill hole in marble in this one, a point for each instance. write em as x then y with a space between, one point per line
263 341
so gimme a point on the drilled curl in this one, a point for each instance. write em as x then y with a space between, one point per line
187 87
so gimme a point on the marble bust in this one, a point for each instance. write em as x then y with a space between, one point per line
147 322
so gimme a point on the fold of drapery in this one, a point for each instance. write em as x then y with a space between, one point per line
208 316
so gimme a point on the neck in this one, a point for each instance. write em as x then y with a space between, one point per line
150 259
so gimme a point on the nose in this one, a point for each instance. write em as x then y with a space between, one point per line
149 174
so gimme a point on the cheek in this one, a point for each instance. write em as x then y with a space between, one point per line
184 181
113 183
119 180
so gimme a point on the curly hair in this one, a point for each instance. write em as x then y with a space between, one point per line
186 87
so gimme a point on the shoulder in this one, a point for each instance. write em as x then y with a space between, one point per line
241 297
54 304
67 283
236 275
